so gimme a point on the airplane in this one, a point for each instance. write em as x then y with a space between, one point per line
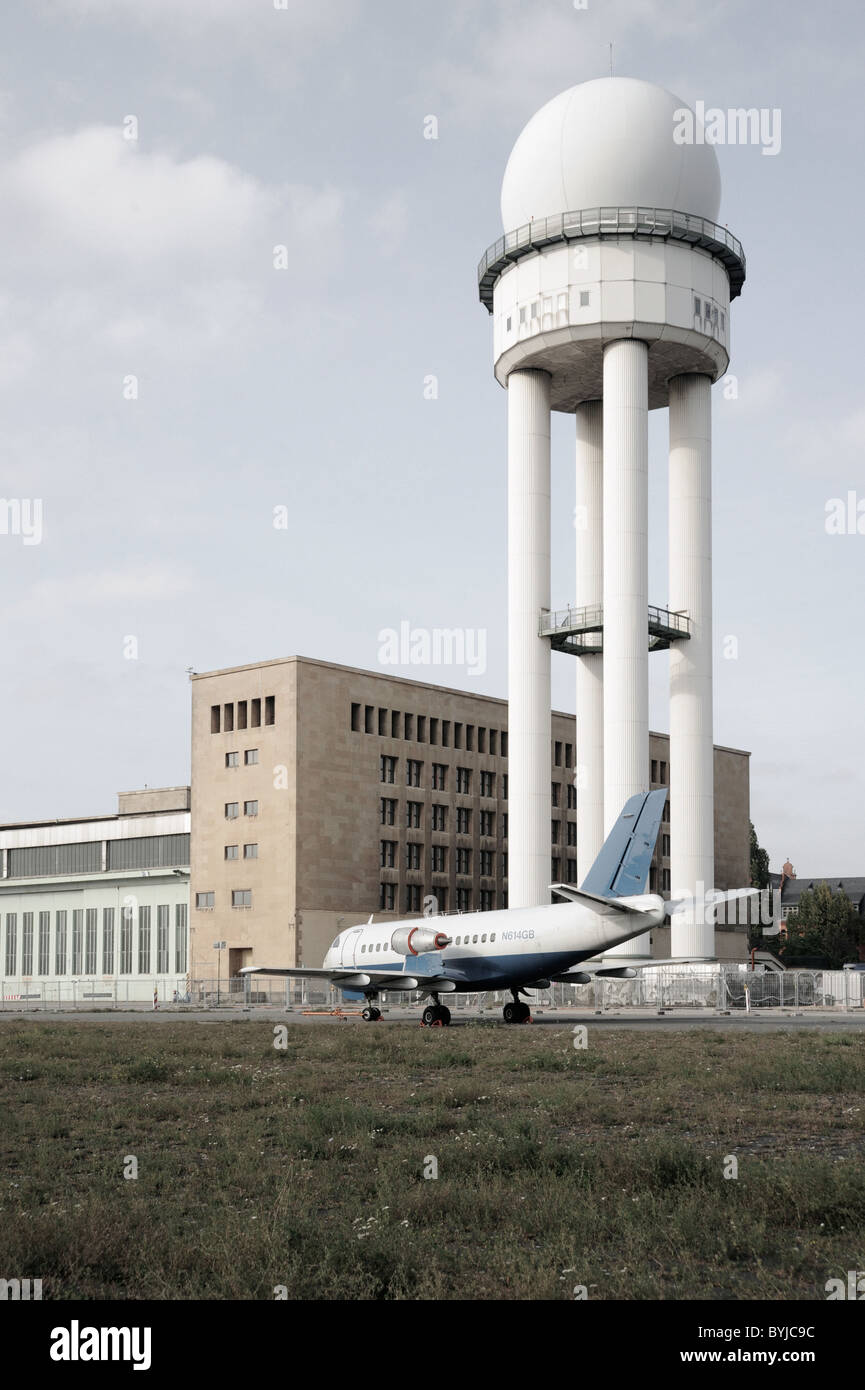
518 949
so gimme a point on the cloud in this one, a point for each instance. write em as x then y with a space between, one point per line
110 245
104 588
247 23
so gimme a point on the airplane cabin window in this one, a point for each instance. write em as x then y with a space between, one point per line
474 939
492 936
484 937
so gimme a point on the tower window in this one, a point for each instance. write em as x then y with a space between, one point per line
584 299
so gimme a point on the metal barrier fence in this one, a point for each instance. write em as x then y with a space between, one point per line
712 987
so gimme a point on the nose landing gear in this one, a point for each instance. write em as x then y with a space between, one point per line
371 1014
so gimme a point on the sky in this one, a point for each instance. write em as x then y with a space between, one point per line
223 453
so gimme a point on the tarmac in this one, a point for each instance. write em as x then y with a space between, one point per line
641 1020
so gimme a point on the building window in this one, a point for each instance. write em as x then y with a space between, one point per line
572 797
241 897
505 826
228 718
163 926
504 743
464 861
232 851
232 810
59 943
433 731
439 817
44 943
232 760
488 822
180 938
387 857
143 940
654 769
470 738
572 871
27 943
90 937
557 754
204 900
439 777
388 811
464 900
663 771
408 727
421 728
554 832
493 741
554 792
458 735
488 784
653 879
464 781
504 786
382 723
569 755
108 940
250 808
394 723
487 863
584 299
215 720
270 709
368 712
572 832
412 897
441 899
464 820
413 770
254 714
250 757
386 897
439 859
387 769
250 851
127 918
412 855
413 814
482 740
665 846
78 940
488 900
446 733
556 868
665 880
242 708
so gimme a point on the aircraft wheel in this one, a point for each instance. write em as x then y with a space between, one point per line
369 1014
430 1015
444 1015
511 1013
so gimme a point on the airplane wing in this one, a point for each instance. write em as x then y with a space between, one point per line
348 978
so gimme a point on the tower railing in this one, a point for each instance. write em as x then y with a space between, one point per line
579 631
665 223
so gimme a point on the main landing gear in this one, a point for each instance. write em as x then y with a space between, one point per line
435 1015
371 1014
517 1012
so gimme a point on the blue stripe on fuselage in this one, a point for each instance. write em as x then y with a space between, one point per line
482 972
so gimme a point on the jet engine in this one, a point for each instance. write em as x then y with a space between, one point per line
412 941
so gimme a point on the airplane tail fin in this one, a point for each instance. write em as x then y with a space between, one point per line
622 867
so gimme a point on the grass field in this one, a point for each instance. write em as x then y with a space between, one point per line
305 1167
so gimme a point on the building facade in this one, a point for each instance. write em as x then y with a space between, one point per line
322 794
98 908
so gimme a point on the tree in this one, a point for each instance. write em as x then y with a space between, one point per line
759 862
826 925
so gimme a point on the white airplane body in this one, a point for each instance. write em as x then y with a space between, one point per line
516 948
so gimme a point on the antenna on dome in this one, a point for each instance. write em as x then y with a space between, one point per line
611 60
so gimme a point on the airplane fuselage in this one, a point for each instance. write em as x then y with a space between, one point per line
495 950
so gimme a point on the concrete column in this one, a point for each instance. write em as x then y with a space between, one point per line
529 699
588 520
692 821
626 582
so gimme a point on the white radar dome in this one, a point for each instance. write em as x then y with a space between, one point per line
609 143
